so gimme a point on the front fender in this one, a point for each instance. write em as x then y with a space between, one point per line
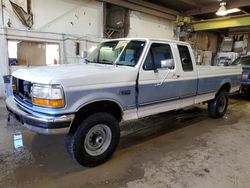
78 99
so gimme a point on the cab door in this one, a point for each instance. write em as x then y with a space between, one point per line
158 79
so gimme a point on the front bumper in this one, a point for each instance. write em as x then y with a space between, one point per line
43 124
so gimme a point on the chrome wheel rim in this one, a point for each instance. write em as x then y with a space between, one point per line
97 139
222 104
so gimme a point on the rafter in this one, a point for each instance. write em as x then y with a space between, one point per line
213 7
226 22
191 2
154 6
144 9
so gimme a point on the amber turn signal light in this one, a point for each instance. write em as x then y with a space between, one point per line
48 102
13 87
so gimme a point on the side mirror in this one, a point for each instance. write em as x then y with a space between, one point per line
167 63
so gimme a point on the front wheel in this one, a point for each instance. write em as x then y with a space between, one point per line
218 106
95 140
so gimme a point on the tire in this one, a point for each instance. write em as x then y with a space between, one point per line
218 106
95 140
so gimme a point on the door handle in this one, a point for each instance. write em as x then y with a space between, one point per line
158 84
176 76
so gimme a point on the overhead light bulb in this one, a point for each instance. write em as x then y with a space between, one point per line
222 11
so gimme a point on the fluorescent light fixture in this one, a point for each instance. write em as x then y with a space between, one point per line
233 10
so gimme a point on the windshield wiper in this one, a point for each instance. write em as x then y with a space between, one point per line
105 61
88 61
120 64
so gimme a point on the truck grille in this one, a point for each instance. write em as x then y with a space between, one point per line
23 89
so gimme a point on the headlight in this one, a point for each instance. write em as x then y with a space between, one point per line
47 95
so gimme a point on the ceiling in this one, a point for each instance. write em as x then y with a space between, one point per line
182 5
203 12
202 9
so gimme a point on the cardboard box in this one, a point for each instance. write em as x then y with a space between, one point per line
207 58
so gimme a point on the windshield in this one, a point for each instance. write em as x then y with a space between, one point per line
122 52
242 61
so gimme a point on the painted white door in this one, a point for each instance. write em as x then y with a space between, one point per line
158 78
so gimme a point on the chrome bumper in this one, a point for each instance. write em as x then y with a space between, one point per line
44 124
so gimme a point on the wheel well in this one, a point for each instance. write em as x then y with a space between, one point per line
225 87
100 106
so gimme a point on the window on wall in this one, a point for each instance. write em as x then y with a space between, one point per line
186 60
157 55
116 21
29 53
52 54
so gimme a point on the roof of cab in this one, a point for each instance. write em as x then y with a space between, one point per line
151 39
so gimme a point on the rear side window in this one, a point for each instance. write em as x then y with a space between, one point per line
186 60
245 60
157 54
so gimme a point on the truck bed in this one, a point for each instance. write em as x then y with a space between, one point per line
210 78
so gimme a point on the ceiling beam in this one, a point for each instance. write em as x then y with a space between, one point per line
191 2
213 7
221 23
154 6
143 9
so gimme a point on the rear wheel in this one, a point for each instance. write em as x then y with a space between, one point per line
95 140
218 106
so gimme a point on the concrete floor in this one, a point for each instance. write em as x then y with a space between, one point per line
177 149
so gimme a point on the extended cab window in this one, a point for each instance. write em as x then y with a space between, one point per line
159 56
186 60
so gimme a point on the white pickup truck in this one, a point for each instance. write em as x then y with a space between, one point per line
122 79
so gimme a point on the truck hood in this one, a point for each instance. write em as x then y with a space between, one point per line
78 74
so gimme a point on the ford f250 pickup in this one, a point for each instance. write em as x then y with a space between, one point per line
121 80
